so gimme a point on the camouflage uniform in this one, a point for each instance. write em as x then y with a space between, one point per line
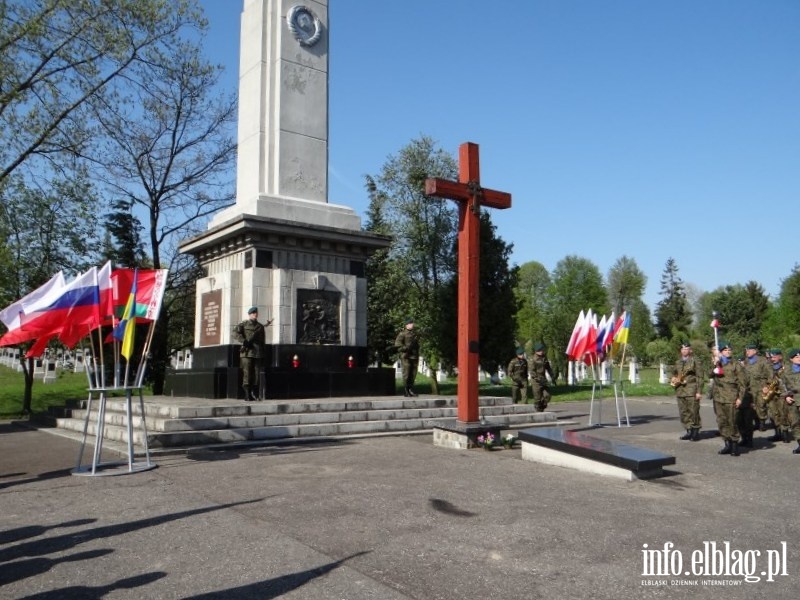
686 371
758 372
518 372
407 343
777 409
728 387
540 368
252 335
791 386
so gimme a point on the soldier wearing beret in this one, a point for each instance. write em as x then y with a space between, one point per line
252 335
407 343
728 390
791 382
758 372
540 369
688 390
518 372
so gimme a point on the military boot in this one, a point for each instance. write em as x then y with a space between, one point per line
687 435
247 393
777 437
726 449
734 448
410 392
787 436
695 434
747 440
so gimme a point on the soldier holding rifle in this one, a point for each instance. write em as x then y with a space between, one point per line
688 390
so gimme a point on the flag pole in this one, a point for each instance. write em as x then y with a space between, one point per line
143 362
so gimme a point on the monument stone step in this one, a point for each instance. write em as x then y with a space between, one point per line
188 422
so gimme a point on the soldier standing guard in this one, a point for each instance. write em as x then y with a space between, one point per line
540 369
252 335
758 372
518 372
407 343
688 390
791 383
728 389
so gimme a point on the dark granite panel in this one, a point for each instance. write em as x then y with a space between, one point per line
610 452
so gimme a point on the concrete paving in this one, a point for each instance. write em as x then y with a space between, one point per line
396 517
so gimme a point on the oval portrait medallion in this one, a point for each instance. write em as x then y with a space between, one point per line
304 25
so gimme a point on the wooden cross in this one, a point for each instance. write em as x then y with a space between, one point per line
470 196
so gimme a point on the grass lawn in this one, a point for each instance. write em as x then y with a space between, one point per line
70 386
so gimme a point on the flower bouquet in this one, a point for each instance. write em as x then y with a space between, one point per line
509 441
486 440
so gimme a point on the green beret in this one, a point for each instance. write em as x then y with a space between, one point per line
520 350
685 344
751 347
724 345
539 346
252 309
409 321
777 351
794 352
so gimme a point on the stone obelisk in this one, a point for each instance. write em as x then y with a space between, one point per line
283 247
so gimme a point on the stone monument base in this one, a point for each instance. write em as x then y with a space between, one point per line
319 372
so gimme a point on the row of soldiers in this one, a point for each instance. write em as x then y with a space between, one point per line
539 370
755 392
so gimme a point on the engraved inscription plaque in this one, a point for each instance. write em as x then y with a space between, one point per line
210 307
318 317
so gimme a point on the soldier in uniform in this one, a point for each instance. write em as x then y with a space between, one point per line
791 383
252 335
518 372
540 368
407 343
758 372
688 390
776 406
728 391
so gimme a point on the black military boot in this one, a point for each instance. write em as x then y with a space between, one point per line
787 436
247 393
777 437
687 435
734 448
410 392
695 434
726 449
747 440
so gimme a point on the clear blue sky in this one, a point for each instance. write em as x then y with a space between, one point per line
621 127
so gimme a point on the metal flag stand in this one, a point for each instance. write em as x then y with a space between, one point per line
97 385
619 393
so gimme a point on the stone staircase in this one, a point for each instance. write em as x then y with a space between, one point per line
190 422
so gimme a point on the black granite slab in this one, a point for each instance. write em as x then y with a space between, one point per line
618 454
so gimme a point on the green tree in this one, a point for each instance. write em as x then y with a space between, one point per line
423 230
672 312
57 55
47 230
782 322
642 331
626 283
576 285
384 285
124 247
533 282
498 302
741 311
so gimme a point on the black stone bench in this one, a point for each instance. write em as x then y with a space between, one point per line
580 451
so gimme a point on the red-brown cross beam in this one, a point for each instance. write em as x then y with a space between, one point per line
470 197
